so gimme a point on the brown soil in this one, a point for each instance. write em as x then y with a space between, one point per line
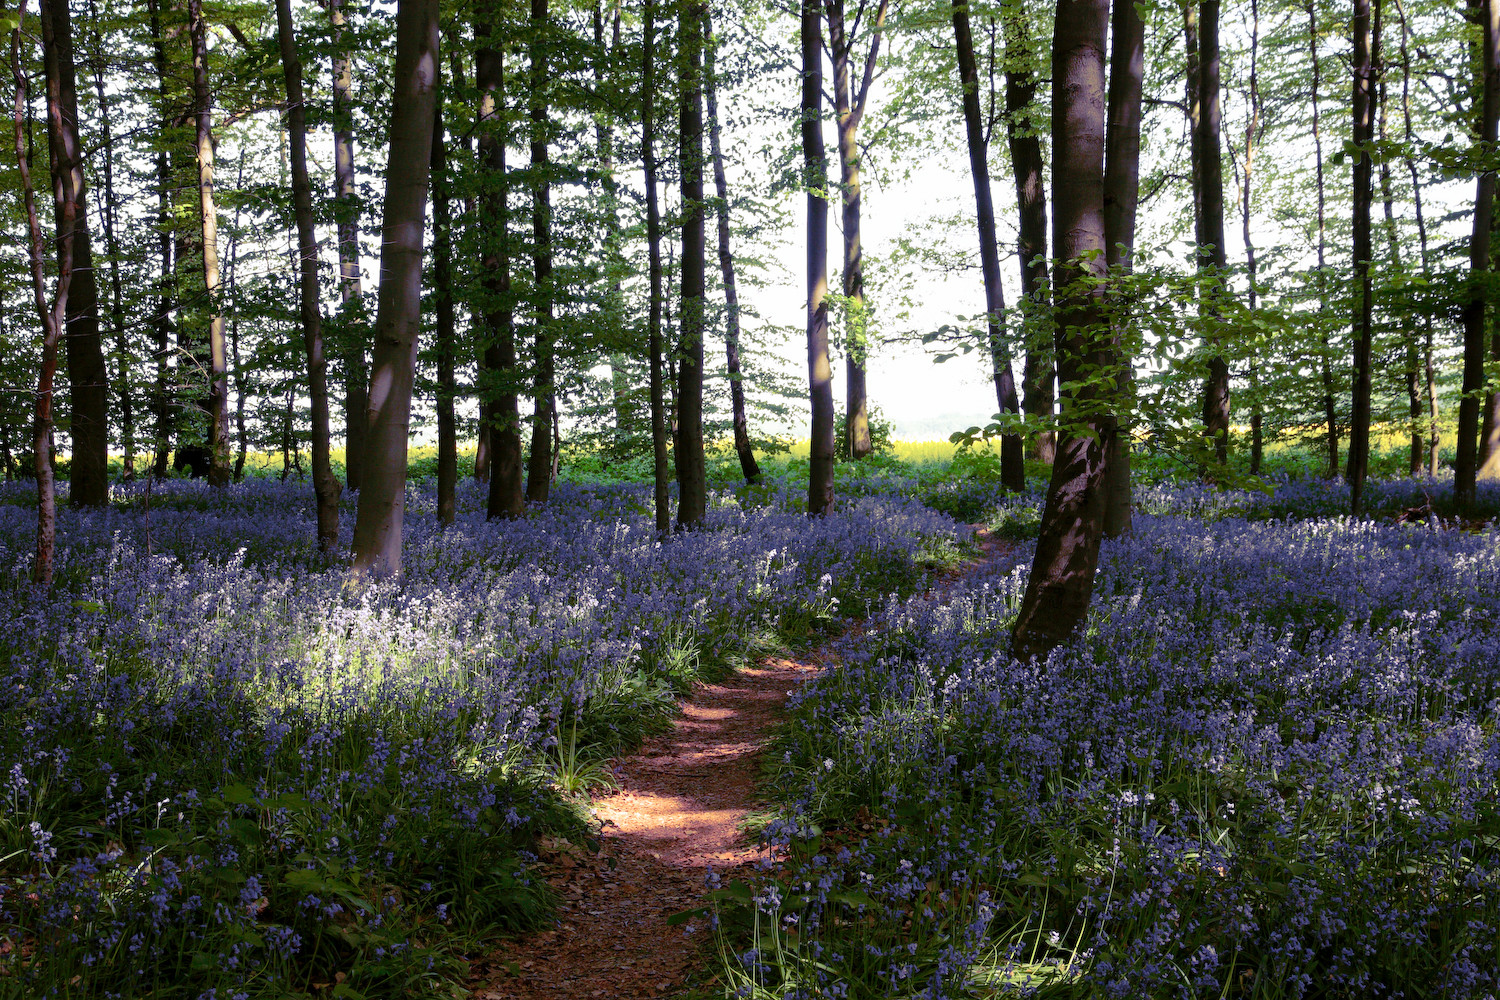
677 814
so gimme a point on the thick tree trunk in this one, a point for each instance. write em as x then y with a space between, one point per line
539 462
444 335
1067 553
1364 316
53 315
162 321
1012 448
111 217
351 290
218 385
1465 469
378 522
1025 143
325 486
815 181
1211 260
692 483
662 501
88 380
749 468
1122 183
506 497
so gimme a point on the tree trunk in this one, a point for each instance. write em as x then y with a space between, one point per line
53 316
88 380
1325 366
849 110
539 463
499 378
662 500
1012 448
1067 552
815 181
218 386
1364 327
1122 182
1465 469
1211 260
692 483
378 522
442 291
351 290
162 321
325 486
1025 144
1257 442
111 217
749 468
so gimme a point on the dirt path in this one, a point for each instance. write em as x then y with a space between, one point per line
683 797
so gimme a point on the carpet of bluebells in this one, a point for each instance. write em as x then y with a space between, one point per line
1269 767
230 771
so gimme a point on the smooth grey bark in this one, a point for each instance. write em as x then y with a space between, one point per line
506 497
382 500
325 485
53 315
1122 182
1325 363
1067 553
218 385
351 285
1465 468
445 323
1211 258
1366 43
539 460
162 321
692 480
660 496
1252 130
1012 448
815 181
849 111
88 379
1027 166
749 468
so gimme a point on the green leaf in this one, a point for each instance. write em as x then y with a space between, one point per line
683 916
239 795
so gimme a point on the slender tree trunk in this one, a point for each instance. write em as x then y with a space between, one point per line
1364 318
1012 447
1252 129
815 180
506 494
53 315
692 482
749 468
1411 375
162 321
849 108
1211 259
442 290
88 380
539 463
242 436
662 500
1465 470
218 388
111 216
351 290
1067 553
1025 143
378 522
1122 182
1325 365
614 309
325 486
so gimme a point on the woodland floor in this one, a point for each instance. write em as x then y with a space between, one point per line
679 811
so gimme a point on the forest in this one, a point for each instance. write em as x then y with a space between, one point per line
428 568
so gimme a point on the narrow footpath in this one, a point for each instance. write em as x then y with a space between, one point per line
679 811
